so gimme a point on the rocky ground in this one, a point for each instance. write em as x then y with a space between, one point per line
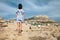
43 33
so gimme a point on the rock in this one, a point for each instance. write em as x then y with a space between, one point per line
37 38
58 38
55 34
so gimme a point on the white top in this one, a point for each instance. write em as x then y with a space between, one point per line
19 12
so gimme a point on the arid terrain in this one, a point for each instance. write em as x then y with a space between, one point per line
30 32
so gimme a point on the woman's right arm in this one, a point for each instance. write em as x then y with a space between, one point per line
16 14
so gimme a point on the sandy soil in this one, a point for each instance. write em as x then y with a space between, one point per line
10 33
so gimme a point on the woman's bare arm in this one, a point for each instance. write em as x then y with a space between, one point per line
22 14
16 14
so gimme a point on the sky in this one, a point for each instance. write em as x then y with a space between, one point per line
31 8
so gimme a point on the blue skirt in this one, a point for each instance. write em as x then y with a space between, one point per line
19 20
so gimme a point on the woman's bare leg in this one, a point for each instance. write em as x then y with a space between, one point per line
19 26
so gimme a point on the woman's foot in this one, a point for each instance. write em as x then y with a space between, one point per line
20 31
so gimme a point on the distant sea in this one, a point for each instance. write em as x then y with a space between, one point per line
57 19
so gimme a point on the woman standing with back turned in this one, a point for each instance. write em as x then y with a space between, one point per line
19 18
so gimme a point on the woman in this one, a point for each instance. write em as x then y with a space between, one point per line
19 17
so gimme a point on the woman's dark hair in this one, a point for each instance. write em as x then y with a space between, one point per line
20 6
